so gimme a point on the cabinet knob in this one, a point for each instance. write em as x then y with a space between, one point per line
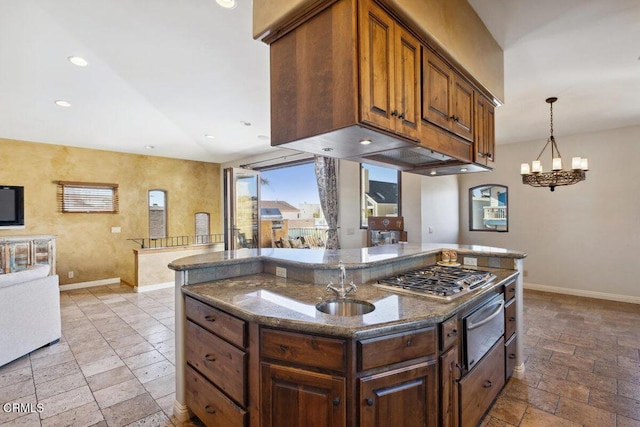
336 401
210 318
512 356
369 401
209 358
453 333
401 116
283 348
394 113
487 384
209 410
409 342
512 319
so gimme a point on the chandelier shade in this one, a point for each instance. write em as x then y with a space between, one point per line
534 175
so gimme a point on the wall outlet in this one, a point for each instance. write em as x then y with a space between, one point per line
430 230
471 261
70 274
281 272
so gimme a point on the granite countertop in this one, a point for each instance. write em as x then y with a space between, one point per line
327 258
288 303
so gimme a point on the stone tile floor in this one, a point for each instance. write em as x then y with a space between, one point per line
114 365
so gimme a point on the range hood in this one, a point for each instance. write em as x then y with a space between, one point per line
386 150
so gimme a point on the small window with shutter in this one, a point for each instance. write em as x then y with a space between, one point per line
87 197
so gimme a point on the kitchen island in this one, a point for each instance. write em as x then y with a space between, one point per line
250 343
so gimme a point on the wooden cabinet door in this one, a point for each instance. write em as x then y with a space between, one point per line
407 80
407 394
449 375
437 79
297 398
484 141
462 109
377 51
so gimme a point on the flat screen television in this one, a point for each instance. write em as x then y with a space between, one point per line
11 205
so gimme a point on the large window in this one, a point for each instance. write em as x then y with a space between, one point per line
379 192
488 208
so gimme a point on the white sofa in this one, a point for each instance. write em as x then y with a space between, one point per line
29 312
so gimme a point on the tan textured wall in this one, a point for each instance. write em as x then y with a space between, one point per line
452 24
85 243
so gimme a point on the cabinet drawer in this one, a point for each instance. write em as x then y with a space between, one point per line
481 386
209 404
509 291
220 362
320 352
510 319
510 356
224 325
449 333
396 348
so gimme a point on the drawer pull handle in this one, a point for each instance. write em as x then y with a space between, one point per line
512 356
512 319
210 318
284 348
453 333
209 358
409 343
336 401
209 409
488 384
369 401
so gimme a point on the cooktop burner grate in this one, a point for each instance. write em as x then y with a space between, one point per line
439 281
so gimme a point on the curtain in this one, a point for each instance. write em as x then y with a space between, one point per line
328 191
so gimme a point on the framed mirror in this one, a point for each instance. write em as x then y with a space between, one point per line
488 208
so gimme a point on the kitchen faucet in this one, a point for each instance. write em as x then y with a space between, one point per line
343 291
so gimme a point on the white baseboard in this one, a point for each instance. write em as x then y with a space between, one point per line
91 284
155 287
583 293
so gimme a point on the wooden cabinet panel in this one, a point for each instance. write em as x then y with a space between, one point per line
484 141
220 362
389 72
509 291
510 356
437 81
390 349
449 376
407 394
510 319
462 112
309 350
481 385
297 398
228 327
209 404
449 333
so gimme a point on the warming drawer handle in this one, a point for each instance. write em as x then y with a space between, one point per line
209 358
208 409
488 384
486 319
210 318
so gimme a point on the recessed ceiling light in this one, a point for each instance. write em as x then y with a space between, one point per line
463 169
76 60
365 142
63 103
149 147
209 136
228 4
432 173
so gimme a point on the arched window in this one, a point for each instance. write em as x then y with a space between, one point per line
157 214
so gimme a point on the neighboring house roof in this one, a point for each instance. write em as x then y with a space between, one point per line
270 213
383 192
276 204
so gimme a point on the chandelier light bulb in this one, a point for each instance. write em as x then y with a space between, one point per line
524 169
536 166
557 164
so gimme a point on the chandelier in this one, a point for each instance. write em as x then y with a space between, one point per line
535 177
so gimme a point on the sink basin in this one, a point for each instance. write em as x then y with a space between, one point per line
345 307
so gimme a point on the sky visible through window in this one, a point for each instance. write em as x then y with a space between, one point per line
297 184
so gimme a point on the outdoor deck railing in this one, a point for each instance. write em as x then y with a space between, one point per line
296 232
173 241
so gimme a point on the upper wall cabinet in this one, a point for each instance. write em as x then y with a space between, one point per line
389 72
447 99
484 143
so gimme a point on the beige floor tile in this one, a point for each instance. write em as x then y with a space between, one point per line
87 357
109 378
129 411
565 388
13 392
50 373
63 402
161 386
60 385
532 396
118 393
616 403
536 418
126 352
158 419
53 359
85 415
630 390
29 420
584 414
11 413
166 403
23 362
627 422
508 410
572 361
154 371
144 359
102 365
592 380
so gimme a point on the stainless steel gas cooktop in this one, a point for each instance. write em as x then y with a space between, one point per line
437 281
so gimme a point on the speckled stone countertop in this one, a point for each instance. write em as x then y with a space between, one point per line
287 303
325 258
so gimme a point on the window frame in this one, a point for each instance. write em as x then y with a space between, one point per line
363 219
164 213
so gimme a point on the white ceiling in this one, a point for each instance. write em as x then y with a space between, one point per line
165 73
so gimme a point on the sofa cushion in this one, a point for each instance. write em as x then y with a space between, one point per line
32 272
